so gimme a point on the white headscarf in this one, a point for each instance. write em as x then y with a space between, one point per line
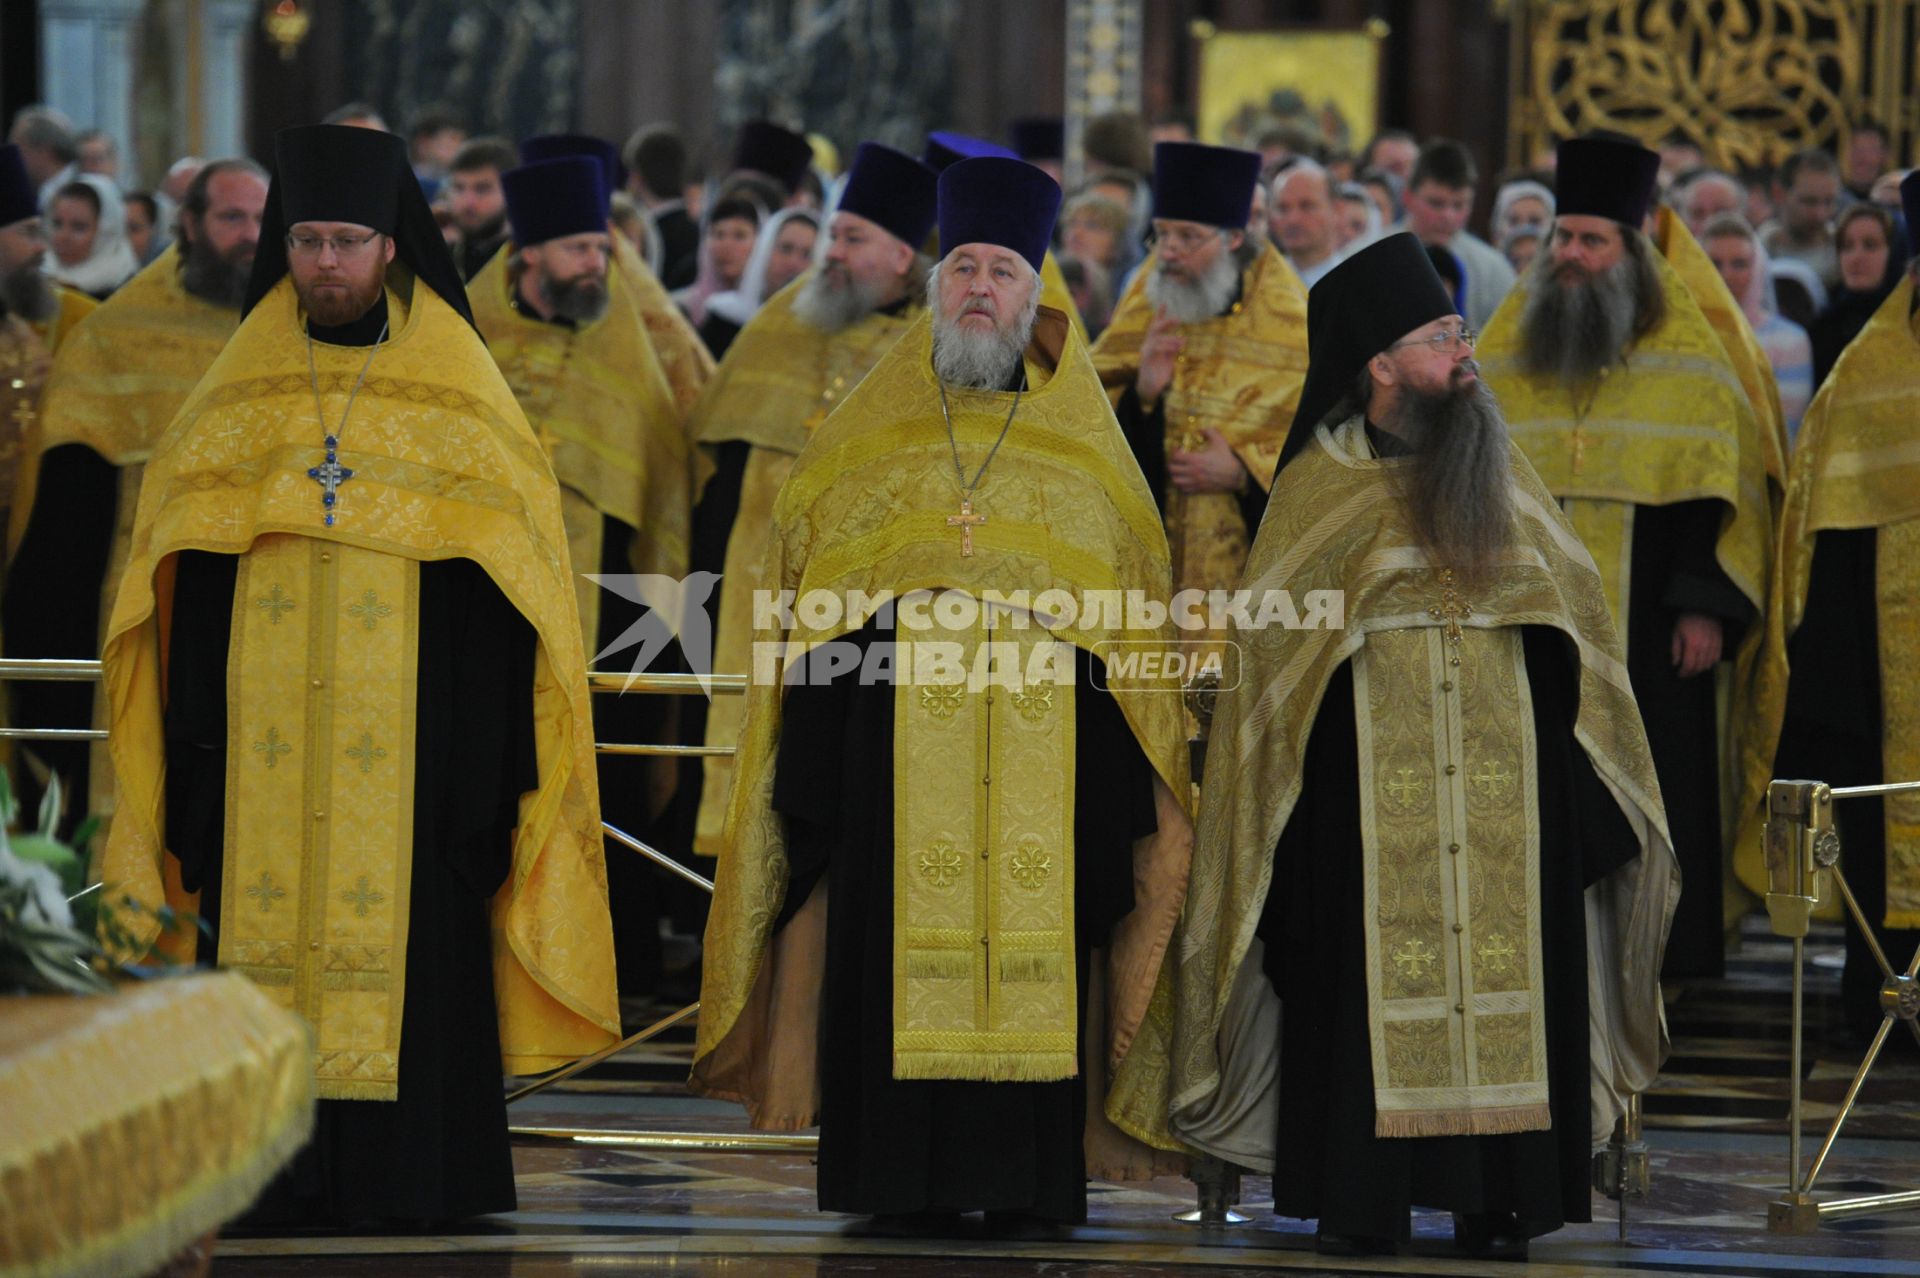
738 305
1511 194
111 263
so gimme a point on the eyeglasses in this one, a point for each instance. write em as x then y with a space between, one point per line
1442 343
1184 239
342 245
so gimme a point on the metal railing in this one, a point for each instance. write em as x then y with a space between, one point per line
1803 856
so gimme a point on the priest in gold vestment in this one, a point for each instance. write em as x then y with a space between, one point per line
1837 695
945 890
676 344
115 385
25 297
796 359
1625 399
1205 358
1432 978
348 699
563 327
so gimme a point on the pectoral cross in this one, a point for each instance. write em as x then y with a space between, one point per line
1450 610
965 522
330 474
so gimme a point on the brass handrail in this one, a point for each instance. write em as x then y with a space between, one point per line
1802 845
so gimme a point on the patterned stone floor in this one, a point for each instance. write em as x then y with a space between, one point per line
1716 1128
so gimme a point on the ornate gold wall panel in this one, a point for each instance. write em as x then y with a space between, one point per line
1749 80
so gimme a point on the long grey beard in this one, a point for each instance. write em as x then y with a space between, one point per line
28 293
982 361
1460 487
1204 298
1571 332
830 300
213 278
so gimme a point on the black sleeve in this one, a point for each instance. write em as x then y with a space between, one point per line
1113 806
1605 838
1252 500
1833 692
807 775
51 608
491 668
1695 580
1146 434
195 720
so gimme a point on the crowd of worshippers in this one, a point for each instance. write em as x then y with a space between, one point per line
333 483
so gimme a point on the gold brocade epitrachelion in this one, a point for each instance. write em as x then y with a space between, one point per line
323 680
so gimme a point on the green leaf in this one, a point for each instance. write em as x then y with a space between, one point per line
50 807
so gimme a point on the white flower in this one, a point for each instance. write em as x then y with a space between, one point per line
45 897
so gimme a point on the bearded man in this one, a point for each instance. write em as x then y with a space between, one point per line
1204 360
115 385
1624 398
1432 978
795 360
979 841
676 344
563 328
49 310
349 700
24 294
1836 682
477 202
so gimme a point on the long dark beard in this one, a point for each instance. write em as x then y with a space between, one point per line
1459 489
28 293
582 299
331 310
1571 331
215 277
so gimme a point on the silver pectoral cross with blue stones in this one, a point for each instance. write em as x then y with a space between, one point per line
330 474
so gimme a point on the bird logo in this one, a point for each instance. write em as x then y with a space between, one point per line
674 608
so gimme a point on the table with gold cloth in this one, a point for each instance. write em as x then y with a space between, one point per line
133 1123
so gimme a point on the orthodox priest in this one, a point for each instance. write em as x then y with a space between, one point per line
115 386
676 343
1463 931
1624 399
563 328
797 358
1204 360
1836 683
943 899
25 295
348 703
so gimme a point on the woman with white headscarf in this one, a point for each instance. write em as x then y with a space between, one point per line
87 237
1357 222
781 252
1521 205
1742 262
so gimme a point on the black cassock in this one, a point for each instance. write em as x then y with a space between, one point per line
440 1151
1832 733
1329 1165
52 604
1673 570
890 1146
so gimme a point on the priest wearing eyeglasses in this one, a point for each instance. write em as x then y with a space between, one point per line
348 699
1419 964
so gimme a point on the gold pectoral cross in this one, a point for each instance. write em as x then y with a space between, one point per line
1450 610
965 522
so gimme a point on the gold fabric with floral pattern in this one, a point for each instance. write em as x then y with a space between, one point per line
323 677
1856 464
984 982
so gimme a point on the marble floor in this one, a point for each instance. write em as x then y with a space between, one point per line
1715 1127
